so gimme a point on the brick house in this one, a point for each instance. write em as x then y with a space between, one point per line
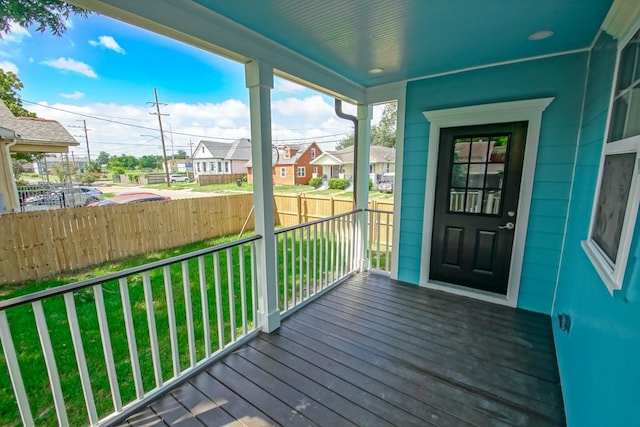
294 165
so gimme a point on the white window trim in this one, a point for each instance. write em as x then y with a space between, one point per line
304 172
313 153
503 112
283 172
612 274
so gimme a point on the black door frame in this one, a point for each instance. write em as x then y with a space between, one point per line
531 111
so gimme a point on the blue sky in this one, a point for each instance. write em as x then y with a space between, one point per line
108 69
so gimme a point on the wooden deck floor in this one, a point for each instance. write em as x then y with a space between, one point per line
373 353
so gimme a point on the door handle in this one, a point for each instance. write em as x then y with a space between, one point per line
508 226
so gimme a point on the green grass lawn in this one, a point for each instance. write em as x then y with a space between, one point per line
25 338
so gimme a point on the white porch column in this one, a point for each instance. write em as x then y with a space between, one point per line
8 188
362 178
259 81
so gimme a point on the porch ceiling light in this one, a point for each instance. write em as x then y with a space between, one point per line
541 35
376 70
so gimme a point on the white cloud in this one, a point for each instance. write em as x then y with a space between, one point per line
301 120
9 66
16 33
107 42
70 64
74 95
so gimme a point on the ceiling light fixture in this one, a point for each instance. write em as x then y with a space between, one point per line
541 35
376 70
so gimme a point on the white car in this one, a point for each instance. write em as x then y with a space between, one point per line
178 178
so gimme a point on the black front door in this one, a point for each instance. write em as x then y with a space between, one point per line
476 201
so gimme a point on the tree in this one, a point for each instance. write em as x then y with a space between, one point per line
384 133
149 162
181 154
62 171
103 158
10 86
124 161
46 14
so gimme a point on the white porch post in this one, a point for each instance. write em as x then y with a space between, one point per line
259 81
362 179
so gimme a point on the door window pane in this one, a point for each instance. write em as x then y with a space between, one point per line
477 170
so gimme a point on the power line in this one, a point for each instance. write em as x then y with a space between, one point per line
98 117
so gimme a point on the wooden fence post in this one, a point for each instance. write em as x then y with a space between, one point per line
299 208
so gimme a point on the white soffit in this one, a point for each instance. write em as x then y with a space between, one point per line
621 17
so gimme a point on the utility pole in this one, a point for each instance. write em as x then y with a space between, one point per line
86 136
164 149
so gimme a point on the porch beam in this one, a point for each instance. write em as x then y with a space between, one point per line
364 114
259 81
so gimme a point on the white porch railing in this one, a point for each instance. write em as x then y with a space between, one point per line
379 239
106 345
97 349
314 256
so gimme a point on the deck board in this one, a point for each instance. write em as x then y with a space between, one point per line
374 352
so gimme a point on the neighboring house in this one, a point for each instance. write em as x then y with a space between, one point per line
294 165
180 165
339 164
218 158
26 135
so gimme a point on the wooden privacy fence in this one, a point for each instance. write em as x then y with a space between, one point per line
40 244
219 179
294 209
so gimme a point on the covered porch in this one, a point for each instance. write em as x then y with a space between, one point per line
297 308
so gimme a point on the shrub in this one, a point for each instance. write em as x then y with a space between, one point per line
315 182
338 184
370 184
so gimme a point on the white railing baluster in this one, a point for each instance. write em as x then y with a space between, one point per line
370 237
293 268
378 240
106 347
254 288
219 313
131 337
343 246
188 308
171 314
300 265
10 356
243 287
387 267
153 332
50 361
204 302
332 235
308 261
325 253
285 260
315 258
232 297
76 339
277 268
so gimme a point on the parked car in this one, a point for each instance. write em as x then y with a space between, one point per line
387 183
63 198
131 198
92 193
178 178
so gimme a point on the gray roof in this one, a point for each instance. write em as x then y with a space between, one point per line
237 150
377 154
34 128
240 150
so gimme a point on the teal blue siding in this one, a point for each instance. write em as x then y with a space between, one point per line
560 77
599 358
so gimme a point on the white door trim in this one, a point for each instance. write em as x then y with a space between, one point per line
529 110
